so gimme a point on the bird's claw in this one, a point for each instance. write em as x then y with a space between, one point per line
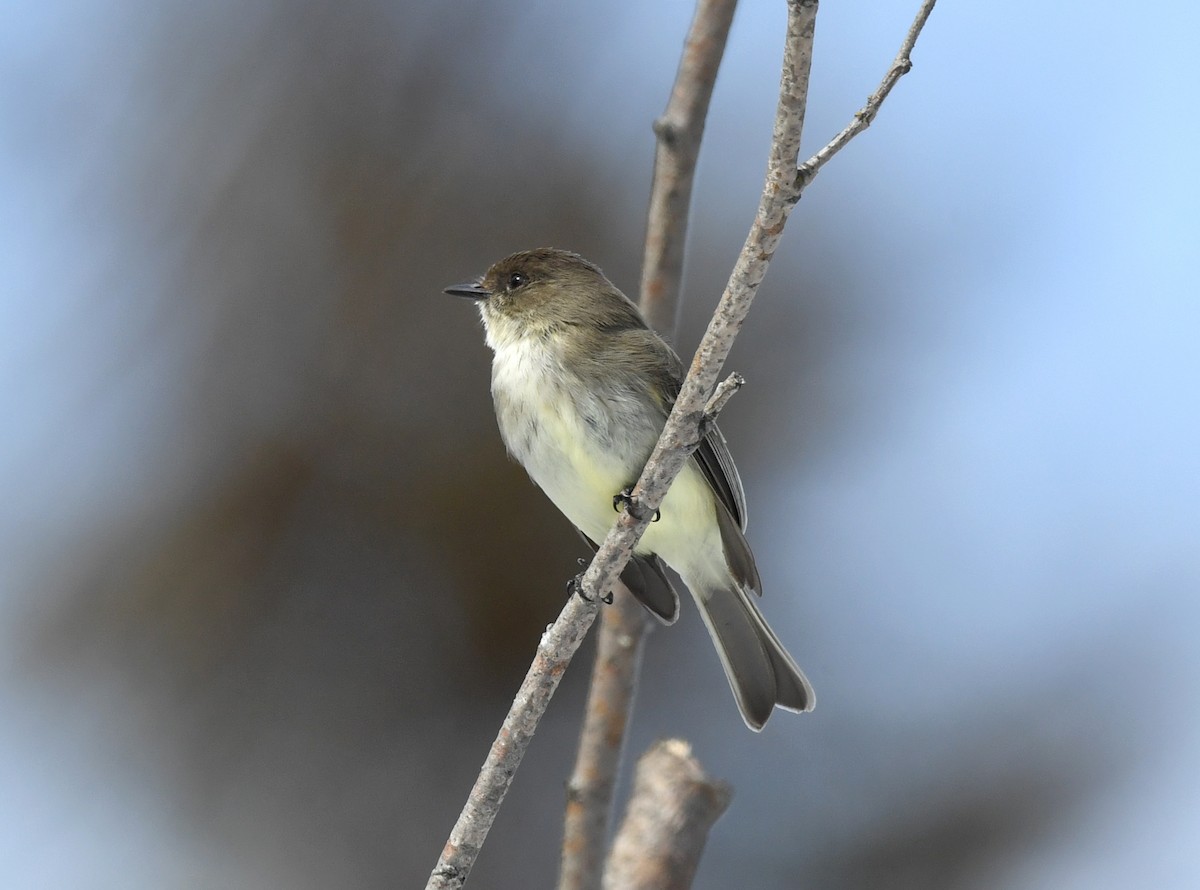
625 499
575 588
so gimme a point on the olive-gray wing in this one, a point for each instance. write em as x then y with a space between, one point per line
717 465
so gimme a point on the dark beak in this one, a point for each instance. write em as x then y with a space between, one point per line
474 291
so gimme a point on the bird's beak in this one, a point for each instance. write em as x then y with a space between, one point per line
474 291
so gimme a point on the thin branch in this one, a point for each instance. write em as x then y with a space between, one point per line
623 629
554 653
722 394
624 626
673 806
679 132
679 439
681 434
863 118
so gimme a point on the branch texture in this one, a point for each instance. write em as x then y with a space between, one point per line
554 653
673 806
623 629
680 131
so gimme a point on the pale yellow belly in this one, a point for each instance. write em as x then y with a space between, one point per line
582 482
582 463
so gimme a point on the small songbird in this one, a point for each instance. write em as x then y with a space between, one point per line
582 389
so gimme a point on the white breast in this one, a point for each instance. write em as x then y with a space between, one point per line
567 439
581 450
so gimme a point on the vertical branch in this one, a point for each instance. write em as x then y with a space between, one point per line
680 131
624 625
623 629
674 804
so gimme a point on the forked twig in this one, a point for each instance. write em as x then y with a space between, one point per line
863 118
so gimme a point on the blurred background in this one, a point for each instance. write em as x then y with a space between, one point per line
268 581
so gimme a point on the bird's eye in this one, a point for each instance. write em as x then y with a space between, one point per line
517 279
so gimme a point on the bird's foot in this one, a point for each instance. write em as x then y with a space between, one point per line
575 588
625 499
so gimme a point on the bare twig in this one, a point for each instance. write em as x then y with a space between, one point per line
624 626
901 65
557 646
679 133
722 394
623 629
679 438
672 807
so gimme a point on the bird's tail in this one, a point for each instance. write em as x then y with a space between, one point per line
761 673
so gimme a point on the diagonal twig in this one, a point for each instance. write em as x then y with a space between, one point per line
863 118
722 394
623 628
558 645
679 438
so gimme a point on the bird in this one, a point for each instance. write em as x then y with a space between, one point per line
582 388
